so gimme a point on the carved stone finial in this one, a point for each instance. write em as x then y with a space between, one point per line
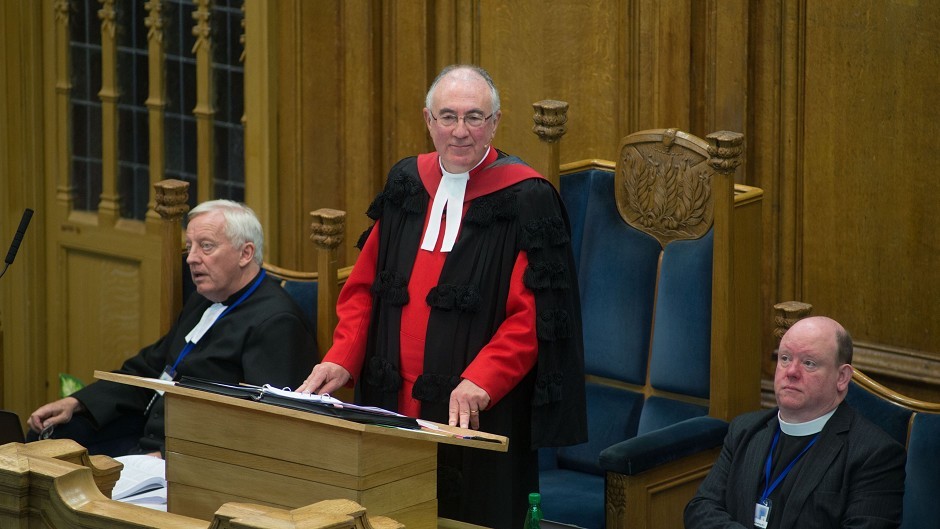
172 198
327 228
202 30
108 17
61 8
550 119
788 313
154 21
241 38
669 137
725 149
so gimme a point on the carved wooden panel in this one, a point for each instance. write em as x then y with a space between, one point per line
664 186
104 304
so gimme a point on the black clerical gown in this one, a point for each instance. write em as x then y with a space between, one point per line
266 339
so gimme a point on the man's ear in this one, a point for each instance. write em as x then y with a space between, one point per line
247 254
427 117
845 376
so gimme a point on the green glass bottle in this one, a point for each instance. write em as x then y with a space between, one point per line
533 516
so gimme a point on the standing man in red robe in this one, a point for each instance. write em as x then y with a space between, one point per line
463 305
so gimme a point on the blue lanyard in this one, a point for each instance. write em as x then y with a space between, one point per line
768 486
189 345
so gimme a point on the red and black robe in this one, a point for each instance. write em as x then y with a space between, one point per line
501 309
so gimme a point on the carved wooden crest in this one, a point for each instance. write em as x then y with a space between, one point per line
663 185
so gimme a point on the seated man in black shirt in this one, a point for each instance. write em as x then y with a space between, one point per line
239 326
812 462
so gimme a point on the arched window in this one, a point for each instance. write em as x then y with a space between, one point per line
157 91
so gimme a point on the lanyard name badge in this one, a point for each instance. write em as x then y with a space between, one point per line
212 314
762 508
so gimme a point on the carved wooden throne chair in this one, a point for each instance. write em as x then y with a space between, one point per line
668 257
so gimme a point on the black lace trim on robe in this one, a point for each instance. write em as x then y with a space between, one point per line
463 298
364 237
486 210
404 191
545 232
431 387
544 275
382 374
391 287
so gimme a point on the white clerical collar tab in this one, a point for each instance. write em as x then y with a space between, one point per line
208 318
450 193
802 429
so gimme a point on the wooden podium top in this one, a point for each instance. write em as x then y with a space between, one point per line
440 433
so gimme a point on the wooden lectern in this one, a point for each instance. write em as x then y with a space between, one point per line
223 449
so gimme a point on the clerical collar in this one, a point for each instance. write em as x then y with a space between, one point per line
450 192
801 429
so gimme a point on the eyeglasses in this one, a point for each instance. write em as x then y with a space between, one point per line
473 121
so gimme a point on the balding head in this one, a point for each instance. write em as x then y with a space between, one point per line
826 329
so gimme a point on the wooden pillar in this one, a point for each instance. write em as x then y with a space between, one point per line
156 102
725 150
109 204
172 198
205 109
327 231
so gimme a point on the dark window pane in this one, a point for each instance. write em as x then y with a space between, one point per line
133 146
228 77
85 56
181 94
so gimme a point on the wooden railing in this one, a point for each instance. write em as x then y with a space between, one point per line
55 484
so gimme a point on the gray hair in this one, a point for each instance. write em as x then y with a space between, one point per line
241 224
494 93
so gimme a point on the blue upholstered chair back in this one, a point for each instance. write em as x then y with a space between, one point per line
892 418
922 483
634 335
916 429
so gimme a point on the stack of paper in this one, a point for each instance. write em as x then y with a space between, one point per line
142 482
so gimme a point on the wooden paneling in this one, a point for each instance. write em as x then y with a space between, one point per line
564 50
22 165
845 145
308 119
872 66
102 297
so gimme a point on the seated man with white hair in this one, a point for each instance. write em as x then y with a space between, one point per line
239 326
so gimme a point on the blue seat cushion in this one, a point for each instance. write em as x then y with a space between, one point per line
573 498
613 415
